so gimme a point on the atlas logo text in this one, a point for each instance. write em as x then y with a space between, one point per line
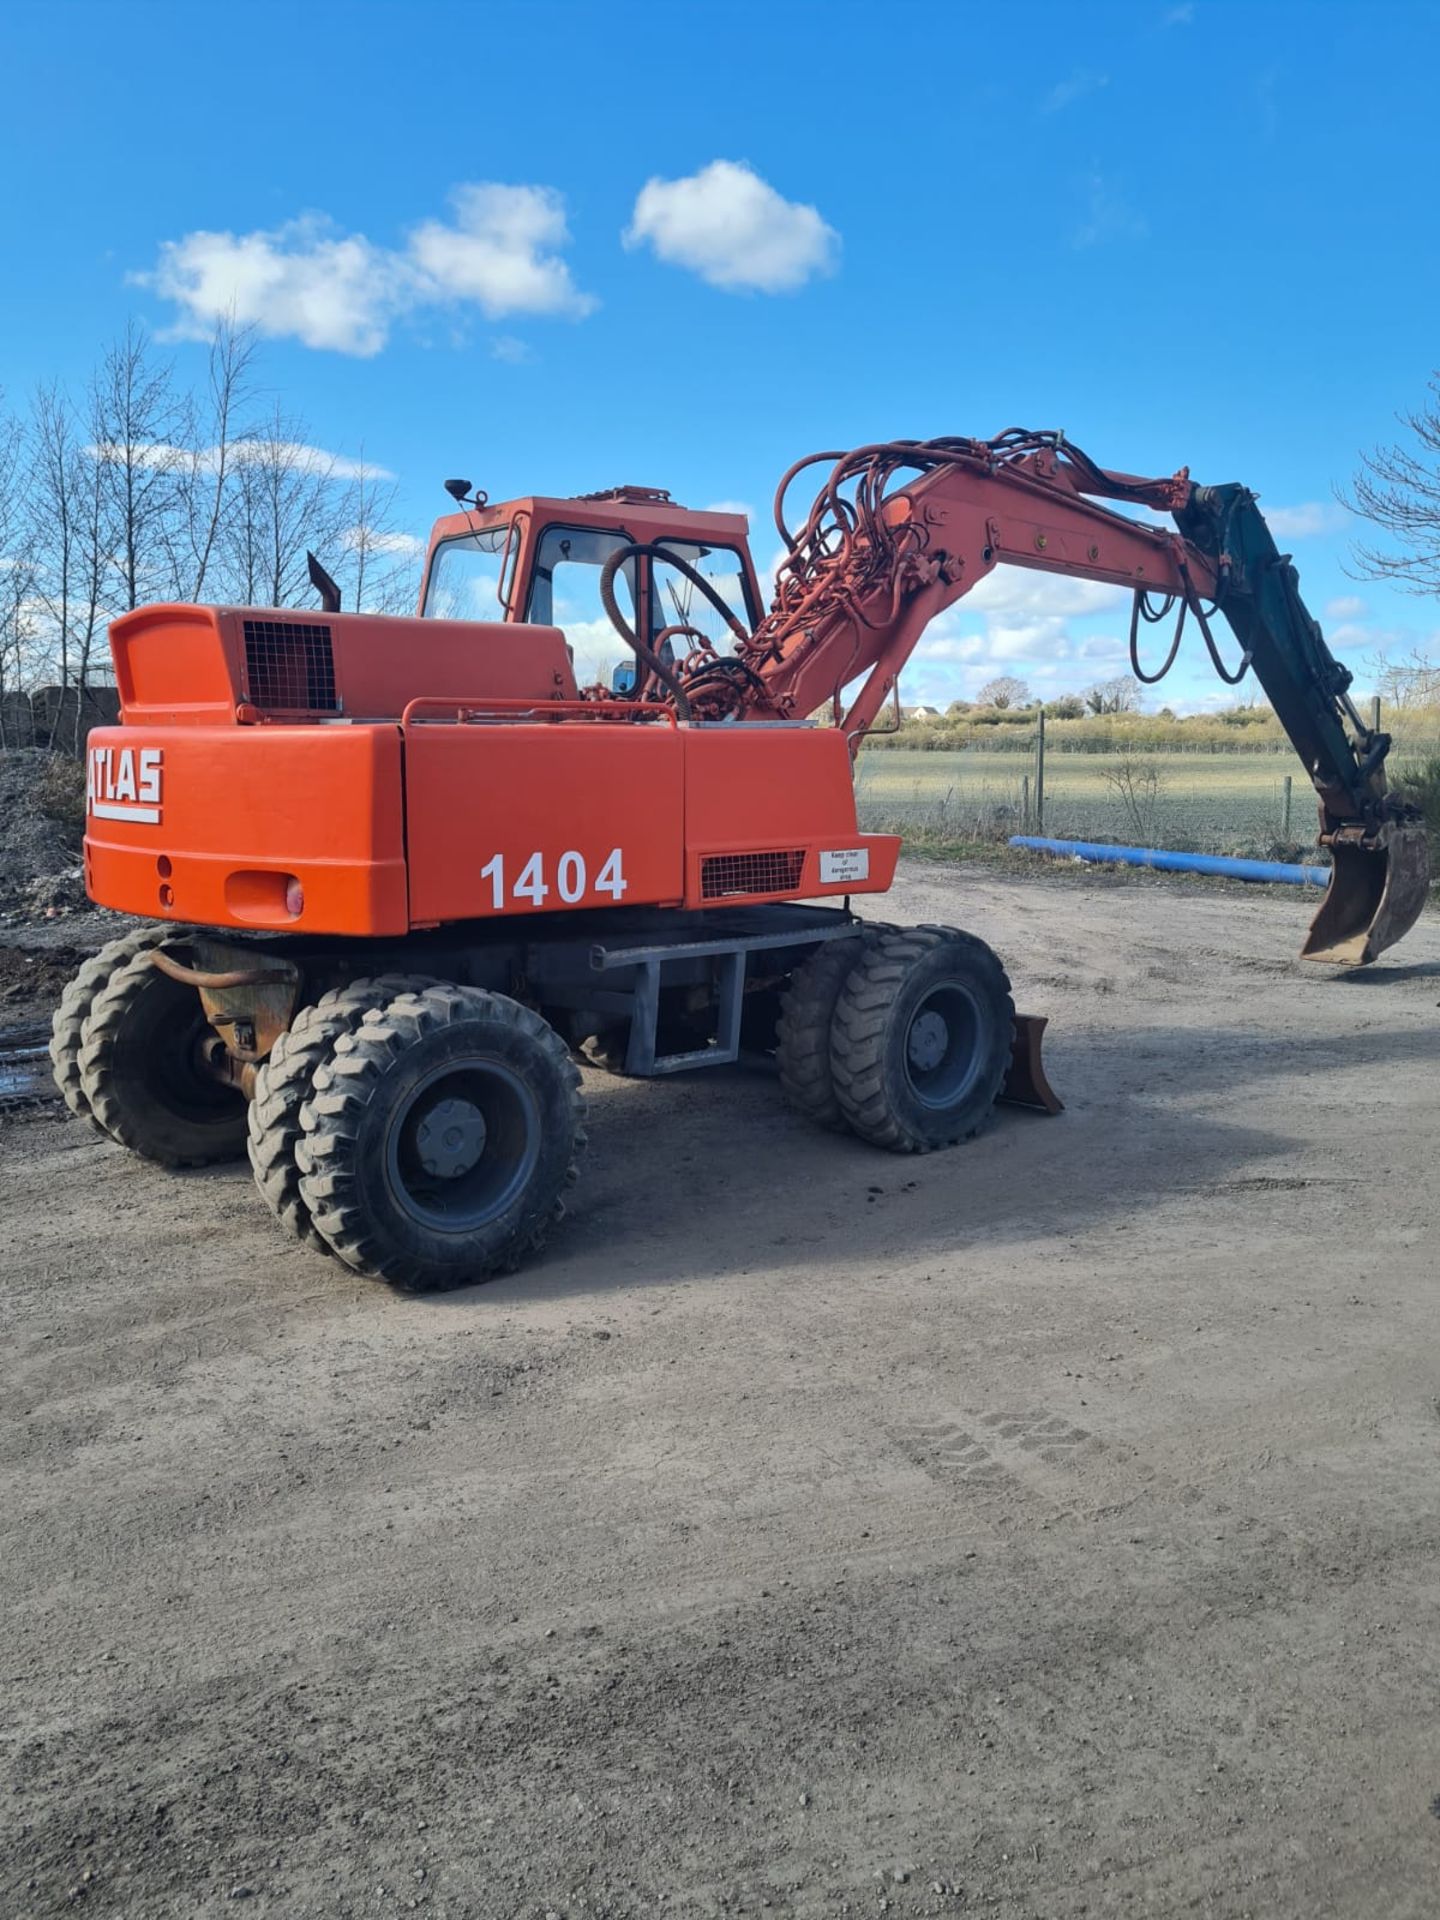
124 783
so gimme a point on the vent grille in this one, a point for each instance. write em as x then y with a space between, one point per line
722 874
289 666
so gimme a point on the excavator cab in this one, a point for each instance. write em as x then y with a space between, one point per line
538 561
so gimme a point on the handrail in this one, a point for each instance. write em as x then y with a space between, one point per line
467 707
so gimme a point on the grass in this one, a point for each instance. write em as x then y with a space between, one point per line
1202 803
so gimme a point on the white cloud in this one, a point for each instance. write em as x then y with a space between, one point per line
341 292
507 348
1107 215
1310 519
305 278
962 649
1104 650
404 546
730 506
1348 607
733 229
292 455
1181 16
1018 590
1019 621
500 253
1084 80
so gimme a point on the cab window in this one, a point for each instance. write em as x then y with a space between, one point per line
676 601
464 581
565 593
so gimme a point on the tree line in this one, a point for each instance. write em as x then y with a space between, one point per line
135 488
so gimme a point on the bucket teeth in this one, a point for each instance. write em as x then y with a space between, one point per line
1377 890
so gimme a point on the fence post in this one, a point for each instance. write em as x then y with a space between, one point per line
1285 811
1375 714
1024 803
1040 774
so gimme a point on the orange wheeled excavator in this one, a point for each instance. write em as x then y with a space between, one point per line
392 875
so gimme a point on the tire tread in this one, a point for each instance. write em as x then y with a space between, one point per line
344 1084
858 1036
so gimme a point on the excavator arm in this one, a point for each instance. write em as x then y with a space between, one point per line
902 530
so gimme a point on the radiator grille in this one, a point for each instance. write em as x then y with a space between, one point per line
288 665
722 874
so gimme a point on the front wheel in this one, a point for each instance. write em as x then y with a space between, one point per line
439 1138
921 1037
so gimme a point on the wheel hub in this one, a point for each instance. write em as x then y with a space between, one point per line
929 1037
450 1138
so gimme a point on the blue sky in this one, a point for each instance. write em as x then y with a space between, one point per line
1186 233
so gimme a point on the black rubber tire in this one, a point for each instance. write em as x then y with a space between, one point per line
806 1013
283 1084
878 1091
67 1028
139 1070
354 1133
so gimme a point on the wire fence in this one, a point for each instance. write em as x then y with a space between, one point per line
1244 804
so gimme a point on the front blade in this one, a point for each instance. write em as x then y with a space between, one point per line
1376 893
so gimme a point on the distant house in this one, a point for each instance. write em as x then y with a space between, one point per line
924 714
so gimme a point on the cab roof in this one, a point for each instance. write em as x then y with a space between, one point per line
646 513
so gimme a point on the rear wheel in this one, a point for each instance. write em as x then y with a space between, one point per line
806 1013
439 1138
143 1074
921 1039
67 1028
283 1085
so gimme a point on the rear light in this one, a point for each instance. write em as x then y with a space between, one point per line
294 899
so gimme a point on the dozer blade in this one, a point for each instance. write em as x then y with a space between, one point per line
1377 889
1025 1082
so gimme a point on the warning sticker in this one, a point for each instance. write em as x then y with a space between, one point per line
844 864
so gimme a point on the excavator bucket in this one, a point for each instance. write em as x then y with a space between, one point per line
1377 889
1025 1081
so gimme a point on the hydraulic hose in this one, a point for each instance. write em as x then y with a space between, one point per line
627 633
657 550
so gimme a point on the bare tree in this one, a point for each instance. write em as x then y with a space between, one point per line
1006 691
1397 489
95 549
57 471
16 567
141 430
204 468
1412 681
382 562
1138 784
285 499
1120 695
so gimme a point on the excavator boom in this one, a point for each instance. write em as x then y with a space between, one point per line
901 530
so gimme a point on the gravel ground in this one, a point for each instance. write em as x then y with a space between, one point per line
1043 1529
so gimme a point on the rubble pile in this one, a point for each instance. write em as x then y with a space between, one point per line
41 820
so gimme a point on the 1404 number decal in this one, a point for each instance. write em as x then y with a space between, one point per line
569 879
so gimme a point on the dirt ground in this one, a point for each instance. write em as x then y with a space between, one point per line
1047 1528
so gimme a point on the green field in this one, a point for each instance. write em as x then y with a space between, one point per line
1200 802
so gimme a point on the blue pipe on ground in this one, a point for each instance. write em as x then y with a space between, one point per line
1272 870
